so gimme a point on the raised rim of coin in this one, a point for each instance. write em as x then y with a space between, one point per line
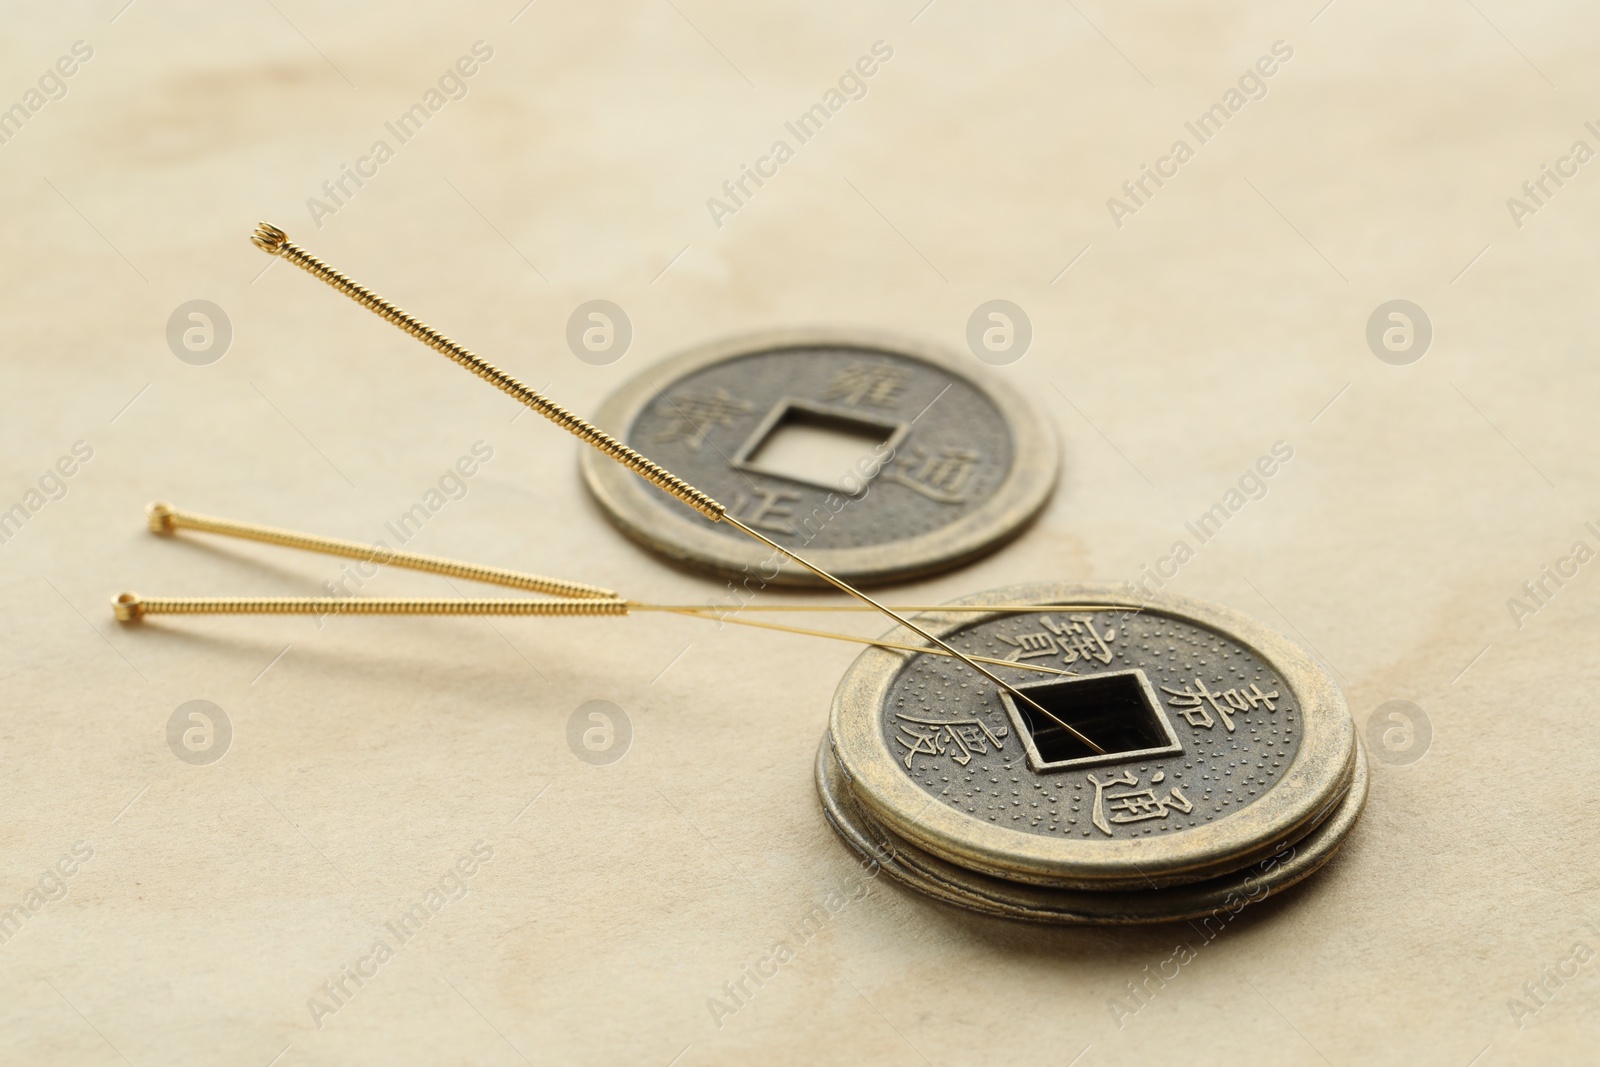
683 537
1288 864
1309 788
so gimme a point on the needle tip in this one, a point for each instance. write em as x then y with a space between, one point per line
127 607
268 238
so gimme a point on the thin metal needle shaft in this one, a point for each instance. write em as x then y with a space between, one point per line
723 612
272 240
846 587
876 641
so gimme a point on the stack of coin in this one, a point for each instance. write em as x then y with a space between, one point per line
1228 766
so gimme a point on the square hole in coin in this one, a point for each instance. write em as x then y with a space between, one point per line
1118 711
819 446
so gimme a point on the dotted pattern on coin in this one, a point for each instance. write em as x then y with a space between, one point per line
1218 772
944 467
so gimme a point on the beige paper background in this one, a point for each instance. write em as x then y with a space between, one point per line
1227 314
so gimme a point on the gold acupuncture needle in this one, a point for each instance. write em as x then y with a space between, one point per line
131 607
276 242
164 518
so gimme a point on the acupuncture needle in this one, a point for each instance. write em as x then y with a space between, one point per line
166 519
275 242
131 607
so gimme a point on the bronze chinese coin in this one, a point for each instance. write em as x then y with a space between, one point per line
1229 766
877 459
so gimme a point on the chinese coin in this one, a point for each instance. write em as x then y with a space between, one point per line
1229 766
875 459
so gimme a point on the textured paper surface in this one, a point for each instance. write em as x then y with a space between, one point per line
1227 312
